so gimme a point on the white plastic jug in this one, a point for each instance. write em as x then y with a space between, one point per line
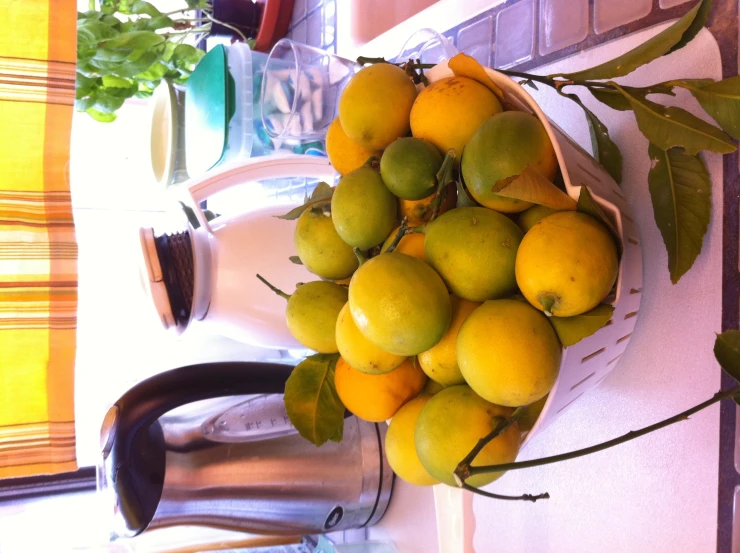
208 271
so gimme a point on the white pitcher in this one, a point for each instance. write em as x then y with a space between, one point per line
208 271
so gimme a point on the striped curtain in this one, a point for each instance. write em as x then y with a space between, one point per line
38 251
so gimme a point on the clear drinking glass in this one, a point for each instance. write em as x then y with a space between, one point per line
301 88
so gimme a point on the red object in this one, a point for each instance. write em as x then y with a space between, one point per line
275 23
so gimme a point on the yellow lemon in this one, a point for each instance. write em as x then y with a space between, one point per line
375 105
530 217
377 397
344 155
319 246
566 264
419 212
502 147
400 448
450 425
447 112
312 314
508 352
410 244
474 251
440 362
359 352
399 303
363 209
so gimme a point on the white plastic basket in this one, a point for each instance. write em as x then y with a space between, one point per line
585 364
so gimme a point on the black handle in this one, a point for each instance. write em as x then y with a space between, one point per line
136 454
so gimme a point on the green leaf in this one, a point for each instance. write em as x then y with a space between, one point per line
102 117
721 101
186 54
615 100
681 192
311 399
319 197
672 126
463 198
571 330
296 260
91 31
145 8
605 151
84 104
159 22
155 72
106 103
587 204
112 54
669 40
133 68
134 39
696 25
116 82
727 352
338 435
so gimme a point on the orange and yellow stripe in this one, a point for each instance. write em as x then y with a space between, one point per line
38 250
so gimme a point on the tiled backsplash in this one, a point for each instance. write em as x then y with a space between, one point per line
314 22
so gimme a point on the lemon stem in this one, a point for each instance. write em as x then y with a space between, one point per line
445 176
361 255
278 291
525 497
399 235
464 471
372 162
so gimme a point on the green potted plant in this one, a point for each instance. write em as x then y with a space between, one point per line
126 47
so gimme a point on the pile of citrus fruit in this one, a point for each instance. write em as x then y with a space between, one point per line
447 330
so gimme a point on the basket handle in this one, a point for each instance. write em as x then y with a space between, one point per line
259 168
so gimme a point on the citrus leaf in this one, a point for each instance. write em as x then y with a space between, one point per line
696 25
320 195
571 330
463 198
100 116
139 65
311 399
727 352
531 186
116 82
606 152
587 205
681 192
295 259
615 100
721 100
463 65
669 40
668 127
134 39
338 435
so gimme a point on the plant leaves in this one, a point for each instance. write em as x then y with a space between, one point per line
311 399
295 260
321 194
615 100
463 198
133 68
91 32
134 39
116 82
669 40
721 100
338 435
144 8
605 151
666 127
571 330
681 192
727 352
531 186
102 117
589 206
